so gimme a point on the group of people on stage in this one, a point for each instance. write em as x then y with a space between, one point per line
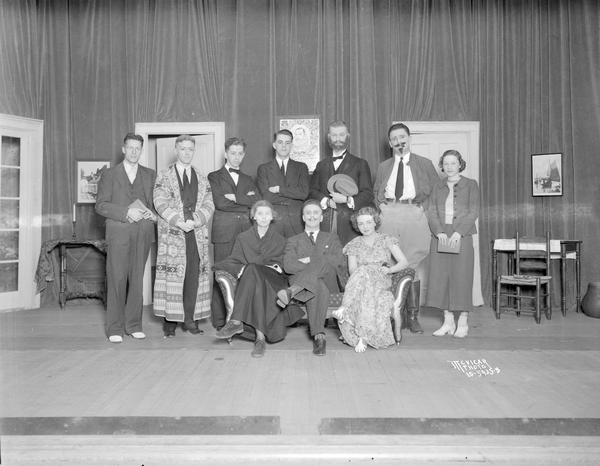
290 238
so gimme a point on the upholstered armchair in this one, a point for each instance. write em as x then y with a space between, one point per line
401 287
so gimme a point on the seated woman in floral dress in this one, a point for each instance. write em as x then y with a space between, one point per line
364 316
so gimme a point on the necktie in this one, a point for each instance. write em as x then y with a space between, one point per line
311 234
400 180
282 168
337 158
234 170
186 180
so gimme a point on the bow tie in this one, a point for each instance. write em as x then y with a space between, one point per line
337 158
234 170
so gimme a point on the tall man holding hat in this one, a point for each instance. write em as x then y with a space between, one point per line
402 188
338 207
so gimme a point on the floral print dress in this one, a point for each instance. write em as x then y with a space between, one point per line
368 299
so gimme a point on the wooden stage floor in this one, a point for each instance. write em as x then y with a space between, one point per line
512 389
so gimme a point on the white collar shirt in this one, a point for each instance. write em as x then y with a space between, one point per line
409 191
235 176
181 169
130 170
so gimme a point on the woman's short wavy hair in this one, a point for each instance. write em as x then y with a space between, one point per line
455 153
263 203
372 211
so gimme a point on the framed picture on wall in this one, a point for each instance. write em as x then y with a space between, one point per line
88 175
307 137
546 174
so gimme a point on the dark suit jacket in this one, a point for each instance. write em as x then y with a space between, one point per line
358 169
423 173
293 188
113 201
293 191
231 218
326 261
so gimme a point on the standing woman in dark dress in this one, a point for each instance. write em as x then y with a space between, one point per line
256 260
453 210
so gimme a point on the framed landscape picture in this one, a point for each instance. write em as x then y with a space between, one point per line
88 175
546 174
306 131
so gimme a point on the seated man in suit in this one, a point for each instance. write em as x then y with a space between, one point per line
234 193
314 259
284 183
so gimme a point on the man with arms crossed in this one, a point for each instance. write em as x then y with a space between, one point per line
234 193
284 183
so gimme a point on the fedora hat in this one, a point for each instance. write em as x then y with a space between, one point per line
342 184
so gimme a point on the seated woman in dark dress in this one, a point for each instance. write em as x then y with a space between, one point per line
256 260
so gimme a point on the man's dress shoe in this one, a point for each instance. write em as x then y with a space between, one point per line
319 345
192 329
230 329
259 349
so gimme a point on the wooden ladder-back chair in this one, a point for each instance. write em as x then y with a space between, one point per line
531 268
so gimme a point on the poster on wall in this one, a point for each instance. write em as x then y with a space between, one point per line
88 175
546 174
306 131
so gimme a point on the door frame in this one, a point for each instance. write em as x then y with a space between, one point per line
471 129
31 132
149 129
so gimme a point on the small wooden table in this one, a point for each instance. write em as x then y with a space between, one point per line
560 249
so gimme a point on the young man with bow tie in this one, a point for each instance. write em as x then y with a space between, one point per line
234 193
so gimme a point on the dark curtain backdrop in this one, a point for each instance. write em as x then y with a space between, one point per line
528 70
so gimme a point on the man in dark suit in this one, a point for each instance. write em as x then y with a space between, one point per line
314 259
125 199
339 208
233 193
402 188
284 183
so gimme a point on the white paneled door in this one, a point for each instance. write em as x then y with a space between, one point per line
20 210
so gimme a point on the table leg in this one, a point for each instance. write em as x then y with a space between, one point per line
63 276
578 274
563 278
494 274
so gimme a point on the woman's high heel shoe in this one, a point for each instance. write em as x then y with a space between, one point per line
462 329
448 327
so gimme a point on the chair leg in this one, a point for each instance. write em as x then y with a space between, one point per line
549 311
498 286
538 316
